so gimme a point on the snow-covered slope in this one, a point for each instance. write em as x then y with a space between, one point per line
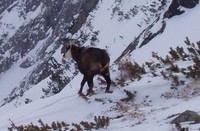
177 29
114 25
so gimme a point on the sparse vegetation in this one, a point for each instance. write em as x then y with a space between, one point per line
130 96
170 69
130 71
99 122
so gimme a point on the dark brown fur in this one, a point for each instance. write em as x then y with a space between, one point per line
91 61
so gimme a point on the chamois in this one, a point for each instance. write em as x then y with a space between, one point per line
90 61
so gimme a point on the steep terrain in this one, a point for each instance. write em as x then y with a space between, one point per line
29 37
36 83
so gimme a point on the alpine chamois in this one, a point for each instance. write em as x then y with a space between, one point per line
90 61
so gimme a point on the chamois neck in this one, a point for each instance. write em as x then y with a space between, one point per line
76 52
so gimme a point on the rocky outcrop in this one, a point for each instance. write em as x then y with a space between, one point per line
43 22
174 7
87 7
188 3
187 116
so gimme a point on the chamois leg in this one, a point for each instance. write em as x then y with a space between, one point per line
82 84
90 85
106 76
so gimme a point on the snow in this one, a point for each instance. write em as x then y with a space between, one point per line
6 84
149 111
13 19
178 28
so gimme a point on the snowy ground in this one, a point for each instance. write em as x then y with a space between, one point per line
149 111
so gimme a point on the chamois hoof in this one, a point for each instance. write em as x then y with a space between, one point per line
80 94
109 92
90 93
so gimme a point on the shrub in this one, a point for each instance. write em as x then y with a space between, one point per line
129 70
99 122
130 96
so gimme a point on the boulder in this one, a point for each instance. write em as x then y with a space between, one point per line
187 116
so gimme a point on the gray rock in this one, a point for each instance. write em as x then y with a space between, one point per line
187 116
174 8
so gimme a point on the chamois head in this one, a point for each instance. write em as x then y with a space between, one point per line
67 51
67 48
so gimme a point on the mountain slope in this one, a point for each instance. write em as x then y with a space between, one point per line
30 43
114 25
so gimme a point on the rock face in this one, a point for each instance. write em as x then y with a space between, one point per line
48 21
38 21
29 33
189 3
174 7
187 116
